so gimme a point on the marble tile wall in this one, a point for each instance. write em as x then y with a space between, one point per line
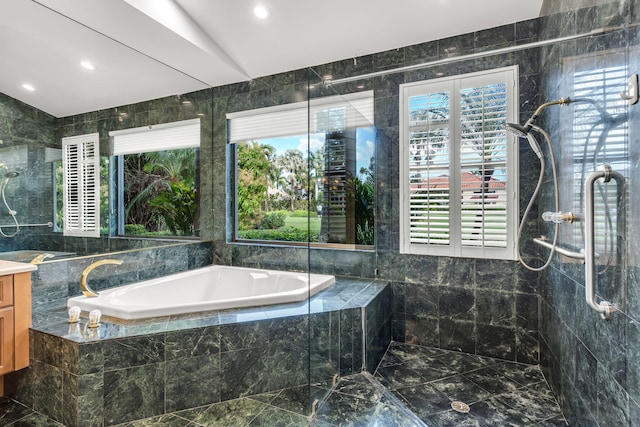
25 132
477 283
61 279
377 328
592 364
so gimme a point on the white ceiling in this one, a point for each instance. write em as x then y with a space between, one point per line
147 49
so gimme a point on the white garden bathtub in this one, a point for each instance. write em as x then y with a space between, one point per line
209 288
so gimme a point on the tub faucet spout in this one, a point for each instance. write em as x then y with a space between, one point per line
84 286
41 257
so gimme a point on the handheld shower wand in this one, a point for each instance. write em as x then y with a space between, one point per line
525 132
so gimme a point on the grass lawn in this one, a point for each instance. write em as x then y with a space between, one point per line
301 223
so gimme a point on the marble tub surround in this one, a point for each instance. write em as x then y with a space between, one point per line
132 370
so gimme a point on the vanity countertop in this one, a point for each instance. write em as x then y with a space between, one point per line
11 267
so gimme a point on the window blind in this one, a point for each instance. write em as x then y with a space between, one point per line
598 140
318 115
160 137
459 167
81 185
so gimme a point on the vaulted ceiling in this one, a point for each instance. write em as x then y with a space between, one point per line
146 49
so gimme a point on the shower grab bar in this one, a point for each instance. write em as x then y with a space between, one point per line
562 251
48 224
605 308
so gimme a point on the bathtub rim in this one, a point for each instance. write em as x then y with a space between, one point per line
86 304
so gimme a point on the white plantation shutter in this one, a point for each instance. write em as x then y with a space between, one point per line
428 169
81 185
459 168
598 140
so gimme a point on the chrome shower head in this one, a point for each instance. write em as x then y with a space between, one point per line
518 130
11 174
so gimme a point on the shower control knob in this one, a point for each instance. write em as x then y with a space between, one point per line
558 217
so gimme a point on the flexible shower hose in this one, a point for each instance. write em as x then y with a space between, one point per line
11 212
533 198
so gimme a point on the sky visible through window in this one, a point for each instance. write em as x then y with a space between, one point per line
365 145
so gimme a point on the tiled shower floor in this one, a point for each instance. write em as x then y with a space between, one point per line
413 386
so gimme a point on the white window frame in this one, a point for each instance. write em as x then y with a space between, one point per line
81 185
453 85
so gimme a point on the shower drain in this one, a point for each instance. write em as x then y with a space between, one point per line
460 407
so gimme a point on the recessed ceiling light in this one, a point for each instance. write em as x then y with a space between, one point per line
261 11
28 87
88 65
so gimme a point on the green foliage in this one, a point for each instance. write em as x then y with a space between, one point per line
362 194
287 234
273 220
166 178
253 169
301 213
364 234
135 229
177 207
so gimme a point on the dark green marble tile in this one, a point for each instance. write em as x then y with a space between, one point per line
11 411
90 399
236 413
459 388
343 410
134 393
244 335
358 386
275 417
494 413
135 351
47 391
169 420
35 420
244 372
192 342
288 366
193 381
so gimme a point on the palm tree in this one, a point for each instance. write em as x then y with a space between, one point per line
273 171
150 174
293 162
316 170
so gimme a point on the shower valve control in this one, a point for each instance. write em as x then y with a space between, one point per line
631 94
559 217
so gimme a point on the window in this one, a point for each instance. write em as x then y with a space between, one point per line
156 179
81 185
458 166
305 172
600 136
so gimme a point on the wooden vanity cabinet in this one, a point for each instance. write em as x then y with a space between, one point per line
15 320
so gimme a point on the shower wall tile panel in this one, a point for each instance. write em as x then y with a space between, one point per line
591 363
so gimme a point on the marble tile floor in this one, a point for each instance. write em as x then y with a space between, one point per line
413 386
